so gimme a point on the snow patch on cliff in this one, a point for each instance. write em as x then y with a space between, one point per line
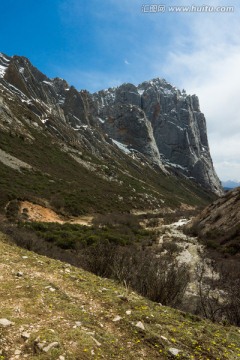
121 146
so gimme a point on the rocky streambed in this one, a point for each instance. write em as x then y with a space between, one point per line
188 250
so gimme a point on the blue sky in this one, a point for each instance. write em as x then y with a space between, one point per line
98 44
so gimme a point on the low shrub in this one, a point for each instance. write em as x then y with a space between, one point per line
108 253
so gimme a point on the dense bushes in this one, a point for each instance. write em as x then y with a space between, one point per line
158 277
127 257
219 296
120 230
103 251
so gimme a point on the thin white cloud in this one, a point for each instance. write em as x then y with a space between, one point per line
210 68
226 148
199 52
229 170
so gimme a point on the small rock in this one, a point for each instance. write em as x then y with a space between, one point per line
129 312
17 352
51 289
61 357
51 346
24 257
25 335
164 338
140 325
5 322
19 274
77 324
96 342
40 346
174 351
117 318
89 332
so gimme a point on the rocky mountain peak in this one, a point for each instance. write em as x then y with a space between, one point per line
153 119
176 126
4 63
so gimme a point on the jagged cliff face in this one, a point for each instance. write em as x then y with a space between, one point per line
176 128
153 121
51 103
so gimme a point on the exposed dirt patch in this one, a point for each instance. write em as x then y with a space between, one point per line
34 212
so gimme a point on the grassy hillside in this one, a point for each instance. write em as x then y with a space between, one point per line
118 184
86 317
218 225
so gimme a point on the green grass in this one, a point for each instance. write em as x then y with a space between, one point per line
72 189
94 302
